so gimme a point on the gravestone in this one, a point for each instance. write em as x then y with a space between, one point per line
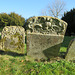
44 36
13 39
70 54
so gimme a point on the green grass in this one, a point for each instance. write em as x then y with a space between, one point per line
16 64
65 43
10 65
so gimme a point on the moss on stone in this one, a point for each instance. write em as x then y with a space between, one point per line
12 39
2 40
11 43
16 34
5 49
19 44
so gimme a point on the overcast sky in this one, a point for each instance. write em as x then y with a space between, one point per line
29 8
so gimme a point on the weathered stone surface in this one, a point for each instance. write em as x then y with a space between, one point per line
43 46
13 39
44 36
0 45
70 55
46 25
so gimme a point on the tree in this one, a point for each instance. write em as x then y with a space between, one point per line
11 19
4 20
69 17
55 9
16 19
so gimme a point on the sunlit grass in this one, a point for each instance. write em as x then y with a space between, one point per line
10 65
20 65
63 49
65 43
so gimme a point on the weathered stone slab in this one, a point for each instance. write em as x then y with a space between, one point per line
46 25
13 39
70 55
43 46
44 36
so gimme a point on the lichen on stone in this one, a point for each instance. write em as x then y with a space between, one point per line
13 39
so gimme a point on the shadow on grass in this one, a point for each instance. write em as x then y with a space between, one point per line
11 53
66 41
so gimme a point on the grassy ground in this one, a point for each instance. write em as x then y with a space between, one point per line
65 43
16 64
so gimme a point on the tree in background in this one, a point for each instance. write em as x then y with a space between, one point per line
11 19
16 19
55 9
69 17
4 20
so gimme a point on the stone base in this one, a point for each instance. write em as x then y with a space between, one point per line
42 46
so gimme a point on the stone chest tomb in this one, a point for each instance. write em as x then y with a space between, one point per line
44 36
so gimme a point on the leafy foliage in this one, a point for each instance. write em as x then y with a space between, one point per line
16 20
69 17
11 19
4 20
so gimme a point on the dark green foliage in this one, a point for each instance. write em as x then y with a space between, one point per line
26 25
66 41
16 20
69 17
11 19
4 20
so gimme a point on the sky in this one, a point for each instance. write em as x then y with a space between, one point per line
29 8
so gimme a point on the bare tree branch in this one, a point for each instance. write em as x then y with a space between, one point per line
44 12
55 9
